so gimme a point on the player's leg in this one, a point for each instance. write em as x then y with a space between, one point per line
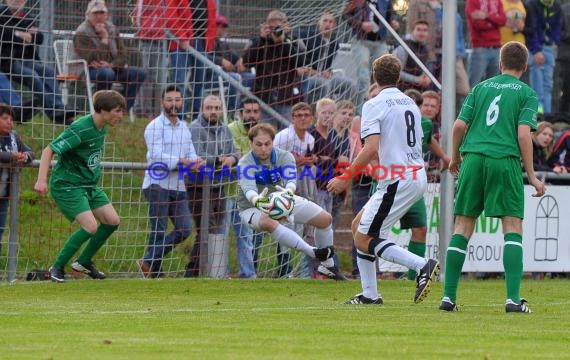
417 246
109 220
469 202
258 221
322 222
367 268
74 205
505 199
513 263
381 212
455 258
416 220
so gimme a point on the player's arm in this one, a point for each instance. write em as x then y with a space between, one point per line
458 132
368 153
41 186
525 146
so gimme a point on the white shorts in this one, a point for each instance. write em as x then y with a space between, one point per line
388 204
302 213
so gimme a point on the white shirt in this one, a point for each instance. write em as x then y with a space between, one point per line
287 139
397 119
167 143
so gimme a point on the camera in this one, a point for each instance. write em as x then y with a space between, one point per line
277 30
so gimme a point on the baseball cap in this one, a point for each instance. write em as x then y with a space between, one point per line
222 20
96 6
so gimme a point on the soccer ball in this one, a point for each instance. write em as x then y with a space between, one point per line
281 204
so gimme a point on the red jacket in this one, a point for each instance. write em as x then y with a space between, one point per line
153 17
485 33
149 18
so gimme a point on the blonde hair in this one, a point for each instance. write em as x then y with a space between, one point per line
341 105
276 15
543 125
345 104
324 102
430 94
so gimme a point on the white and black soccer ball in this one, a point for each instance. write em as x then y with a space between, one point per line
281 204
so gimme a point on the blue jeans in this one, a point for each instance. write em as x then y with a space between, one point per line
4 202
483 64
338 201
257 242
7 93
180 63
283 257
153 56
364 52
41 79
162 205
247 79
325 200
131 78
360 195
541 77
244 242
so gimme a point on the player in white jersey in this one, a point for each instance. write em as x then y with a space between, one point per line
391 129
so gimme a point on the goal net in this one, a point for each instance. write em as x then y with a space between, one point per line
57 87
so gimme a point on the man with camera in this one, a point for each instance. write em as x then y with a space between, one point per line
274 58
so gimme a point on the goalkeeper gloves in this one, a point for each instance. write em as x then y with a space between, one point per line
287 190
261 201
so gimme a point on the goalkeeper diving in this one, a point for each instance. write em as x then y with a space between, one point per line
266 169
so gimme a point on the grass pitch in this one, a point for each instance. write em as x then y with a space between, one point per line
275 319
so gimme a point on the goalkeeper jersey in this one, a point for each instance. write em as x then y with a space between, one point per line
281 169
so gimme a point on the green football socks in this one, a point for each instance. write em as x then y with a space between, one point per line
513 264
419 249
454 260
96 242
70 247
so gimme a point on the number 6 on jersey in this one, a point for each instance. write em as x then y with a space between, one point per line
493 111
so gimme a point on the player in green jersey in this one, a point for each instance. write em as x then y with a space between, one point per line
73 183
493 130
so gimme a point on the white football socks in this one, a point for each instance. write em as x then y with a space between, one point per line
367 268
324 238
389 251
291 239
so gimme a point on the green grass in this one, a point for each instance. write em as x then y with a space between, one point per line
275 319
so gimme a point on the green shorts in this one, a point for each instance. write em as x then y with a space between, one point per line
72 202
416 216
495 185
